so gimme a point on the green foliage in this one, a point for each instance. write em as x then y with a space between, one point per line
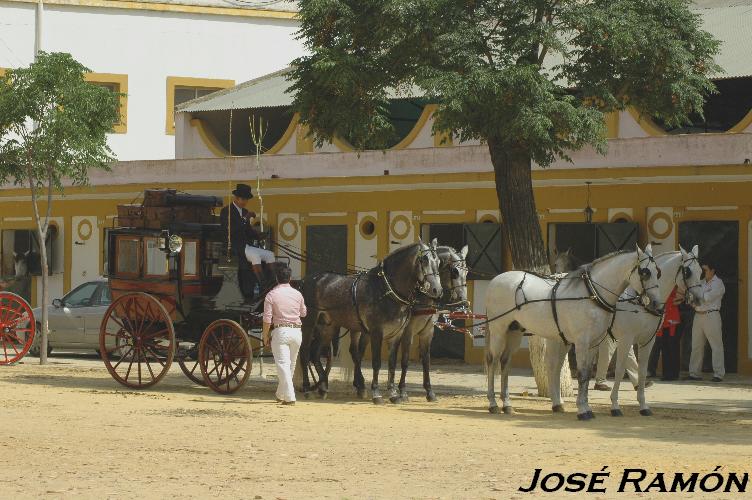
53 124
531 75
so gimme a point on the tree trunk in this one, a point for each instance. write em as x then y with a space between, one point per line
45 295
514 189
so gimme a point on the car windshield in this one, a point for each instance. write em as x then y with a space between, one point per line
81 296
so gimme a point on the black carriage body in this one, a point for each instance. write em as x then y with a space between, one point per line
197 285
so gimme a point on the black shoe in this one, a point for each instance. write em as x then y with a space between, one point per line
693 378
649 383
716 379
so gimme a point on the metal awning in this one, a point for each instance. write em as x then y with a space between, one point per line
268 91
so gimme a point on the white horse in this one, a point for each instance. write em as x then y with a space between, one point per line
20 264
574 309
633 324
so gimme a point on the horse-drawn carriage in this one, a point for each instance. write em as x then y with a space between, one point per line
176 296
17 327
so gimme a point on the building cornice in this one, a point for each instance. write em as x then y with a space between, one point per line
169 7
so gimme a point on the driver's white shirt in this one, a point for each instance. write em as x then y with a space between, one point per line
712 294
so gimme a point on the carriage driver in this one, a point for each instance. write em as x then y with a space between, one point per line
242 237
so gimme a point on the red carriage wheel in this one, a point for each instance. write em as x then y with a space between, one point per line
190 366
137 340
224 355
17 328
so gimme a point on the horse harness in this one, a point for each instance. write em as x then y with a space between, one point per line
686 273
595 296
390 292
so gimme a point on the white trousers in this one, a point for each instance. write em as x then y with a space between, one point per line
258 255
707 327
285 346
605 353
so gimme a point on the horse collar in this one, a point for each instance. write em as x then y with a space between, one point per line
389 290
595 295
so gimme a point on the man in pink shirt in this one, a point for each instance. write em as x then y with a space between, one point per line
283 308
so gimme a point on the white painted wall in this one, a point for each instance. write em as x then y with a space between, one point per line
149 46
85 251
668 242
365 249
401 232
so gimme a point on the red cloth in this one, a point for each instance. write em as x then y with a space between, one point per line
671 317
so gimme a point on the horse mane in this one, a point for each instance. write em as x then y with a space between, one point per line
605 257
397 251
588 266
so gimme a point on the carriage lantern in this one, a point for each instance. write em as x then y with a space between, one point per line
170 243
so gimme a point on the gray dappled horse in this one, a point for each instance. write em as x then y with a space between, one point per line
377 303
453 274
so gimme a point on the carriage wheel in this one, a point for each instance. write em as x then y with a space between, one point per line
190 366
224 356
17 328
137 340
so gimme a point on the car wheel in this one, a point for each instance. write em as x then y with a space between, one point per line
34 350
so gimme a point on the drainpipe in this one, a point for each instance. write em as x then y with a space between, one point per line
38 28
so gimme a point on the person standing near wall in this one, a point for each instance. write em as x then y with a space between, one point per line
283 308
707 326
667 339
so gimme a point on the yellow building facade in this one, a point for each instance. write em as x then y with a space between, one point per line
382 200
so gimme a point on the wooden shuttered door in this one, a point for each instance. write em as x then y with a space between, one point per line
484 256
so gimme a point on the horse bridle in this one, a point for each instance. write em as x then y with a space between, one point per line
645 274
454 273
423 285
686 273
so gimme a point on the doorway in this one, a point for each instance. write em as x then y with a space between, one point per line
326 249
719 242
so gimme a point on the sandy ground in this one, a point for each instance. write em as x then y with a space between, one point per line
71 431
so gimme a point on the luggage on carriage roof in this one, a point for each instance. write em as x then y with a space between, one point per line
171 198
162 207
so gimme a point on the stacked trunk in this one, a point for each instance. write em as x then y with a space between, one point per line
162 207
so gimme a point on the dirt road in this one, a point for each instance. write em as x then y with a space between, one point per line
70 430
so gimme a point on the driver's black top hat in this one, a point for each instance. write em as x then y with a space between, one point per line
243 191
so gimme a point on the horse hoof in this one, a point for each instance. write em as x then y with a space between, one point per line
646 412
494 409
431 397
361 393
584 416
323 394
378 400
395 399
590 414
617 413
508 410
558 409
307 395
